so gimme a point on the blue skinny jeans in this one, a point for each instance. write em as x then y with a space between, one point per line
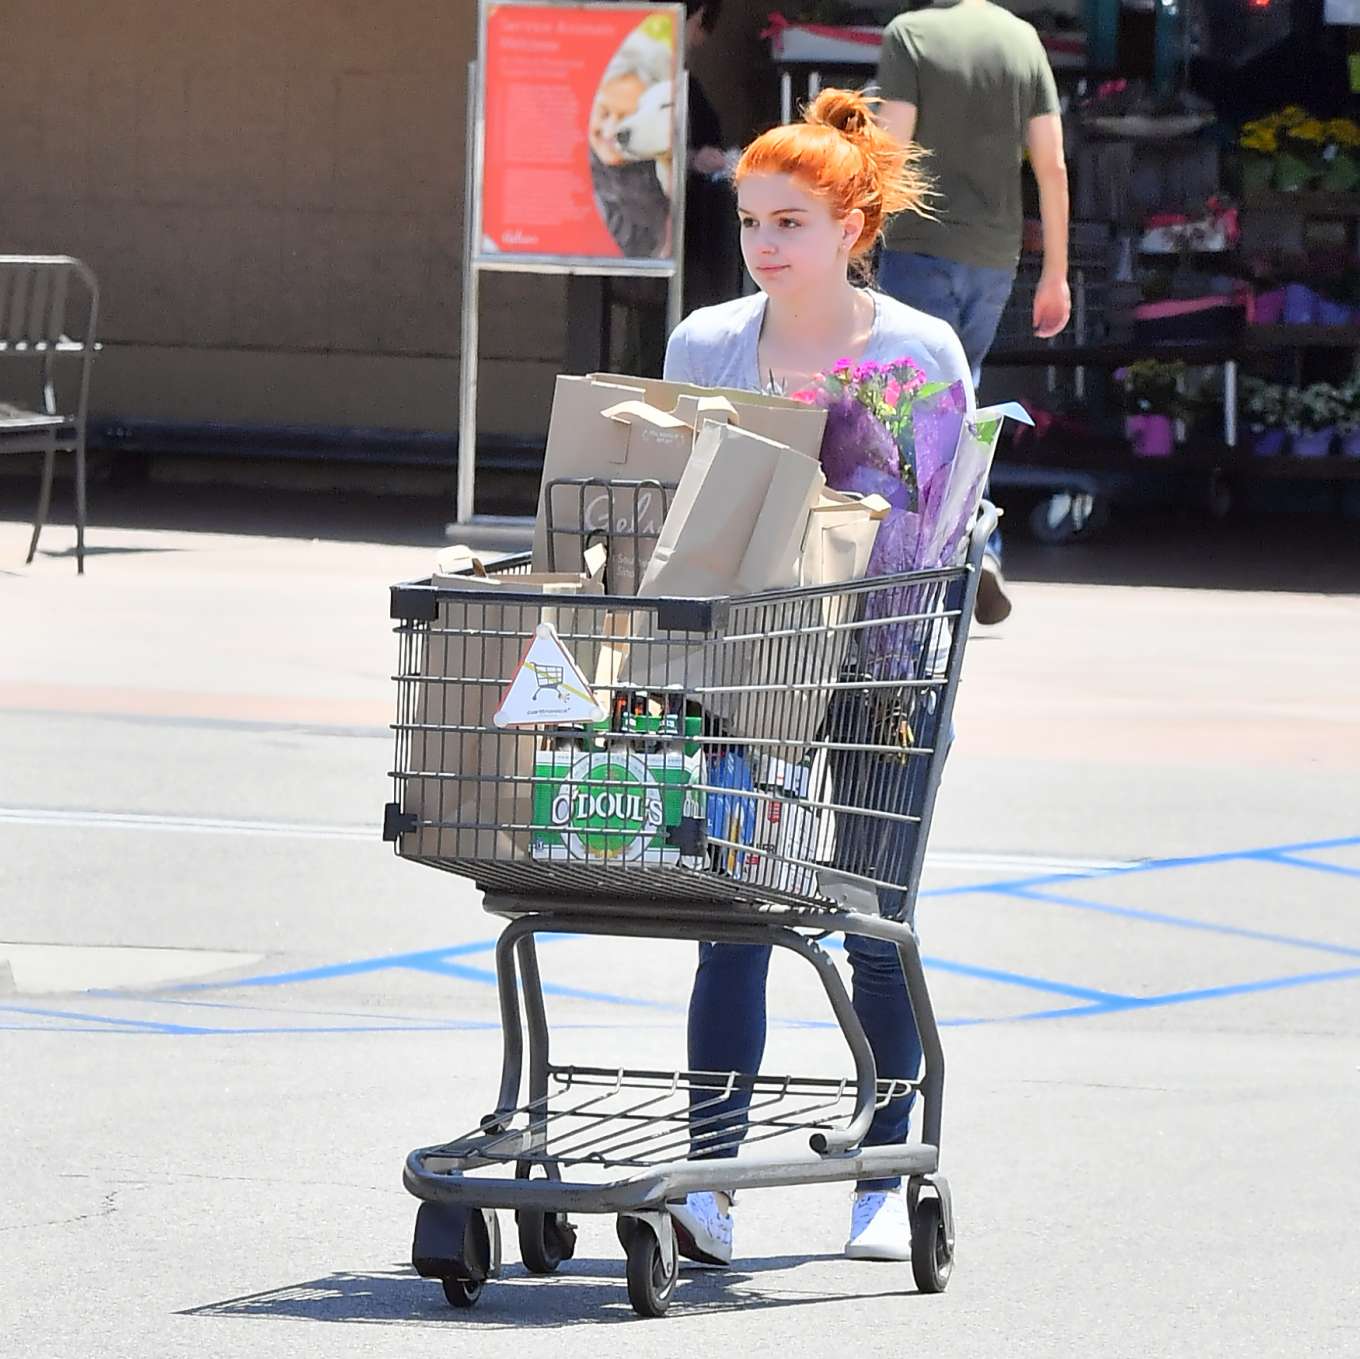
727 1007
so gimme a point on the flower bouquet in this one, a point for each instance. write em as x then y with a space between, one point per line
891 433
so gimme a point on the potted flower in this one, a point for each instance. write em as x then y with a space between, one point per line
1312 414
1263 411
1154 401
1259 141
1339 154
1299 162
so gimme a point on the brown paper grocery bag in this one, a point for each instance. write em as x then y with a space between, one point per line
841 532
469 778
736 527
618 428
776 417
736 524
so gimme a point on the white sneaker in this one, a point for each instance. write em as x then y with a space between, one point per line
703 1229
880 1227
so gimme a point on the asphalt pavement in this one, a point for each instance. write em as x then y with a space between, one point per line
227 1011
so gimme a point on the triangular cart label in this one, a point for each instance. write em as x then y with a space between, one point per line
548 687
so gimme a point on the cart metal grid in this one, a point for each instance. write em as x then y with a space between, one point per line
851 687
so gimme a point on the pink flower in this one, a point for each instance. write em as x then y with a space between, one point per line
892 393
842 366
807 394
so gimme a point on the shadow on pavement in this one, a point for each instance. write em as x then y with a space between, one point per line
1165 547
1292 553
583 1292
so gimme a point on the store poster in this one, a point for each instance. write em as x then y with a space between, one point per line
579 116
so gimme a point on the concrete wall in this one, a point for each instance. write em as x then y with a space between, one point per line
271 195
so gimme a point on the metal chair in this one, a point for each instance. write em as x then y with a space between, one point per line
34 292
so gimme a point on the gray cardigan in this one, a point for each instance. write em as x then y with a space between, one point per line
717 346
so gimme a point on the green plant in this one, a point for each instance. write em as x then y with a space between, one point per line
1154 387
1348 394
1312 408
1263 403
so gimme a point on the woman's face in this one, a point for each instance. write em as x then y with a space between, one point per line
790 237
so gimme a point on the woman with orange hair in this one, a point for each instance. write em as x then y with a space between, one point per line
812 199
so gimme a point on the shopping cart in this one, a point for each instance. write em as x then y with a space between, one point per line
766 775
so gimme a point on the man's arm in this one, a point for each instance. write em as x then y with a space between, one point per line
899 118
1053 300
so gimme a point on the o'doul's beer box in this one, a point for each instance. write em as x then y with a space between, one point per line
618 806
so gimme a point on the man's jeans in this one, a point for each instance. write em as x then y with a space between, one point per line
971 297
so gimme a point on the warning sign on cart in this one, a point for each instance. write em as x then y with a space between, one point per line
548 687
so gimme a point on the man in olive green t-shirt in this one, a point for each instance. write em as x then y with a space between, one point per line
970 83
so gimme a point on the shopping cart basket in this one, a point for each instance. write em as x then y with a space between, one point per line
765 773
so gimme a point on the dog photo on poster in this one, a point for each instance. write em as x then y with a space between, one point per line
580 120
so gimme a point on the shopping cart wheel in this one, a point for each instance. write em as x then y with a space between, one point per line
458 1245
545 1239
462 1292
932 1257
653 1263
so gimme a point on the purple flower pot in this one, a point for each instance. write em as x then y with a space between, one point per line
1268 443
1300 305
1267 308
1331 313
1152 436
1350 444
1313 443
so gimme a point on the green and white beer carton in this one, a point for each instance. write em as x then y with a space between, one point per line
615 805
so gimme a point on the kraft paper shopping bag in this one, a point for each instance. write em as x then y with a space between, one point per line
470 784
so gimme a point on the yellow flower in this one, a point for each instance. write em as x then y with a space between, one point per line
1343 131
1261 139
1292 115
1310 130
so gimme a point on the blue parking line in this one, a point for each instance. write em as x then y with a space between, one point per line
488 978
125 1024
419 961
1248 988
1293 861
1278 853
1179 921
1022 979
1129 1004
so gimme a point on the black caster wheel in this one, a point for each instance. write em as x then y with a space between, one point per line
652 1272
462 1292
459 1246
545 1239
932 1259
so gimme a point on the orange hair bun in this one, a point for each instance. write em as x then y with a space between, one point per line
842 154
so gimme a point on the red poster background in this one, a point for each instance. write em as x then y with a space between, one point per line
541 68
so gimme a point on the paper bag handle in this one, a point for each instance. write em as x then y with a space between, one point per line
716 408
627 412
875 506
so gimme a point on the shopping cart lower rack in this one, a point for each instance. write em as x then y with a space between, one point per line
750 770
